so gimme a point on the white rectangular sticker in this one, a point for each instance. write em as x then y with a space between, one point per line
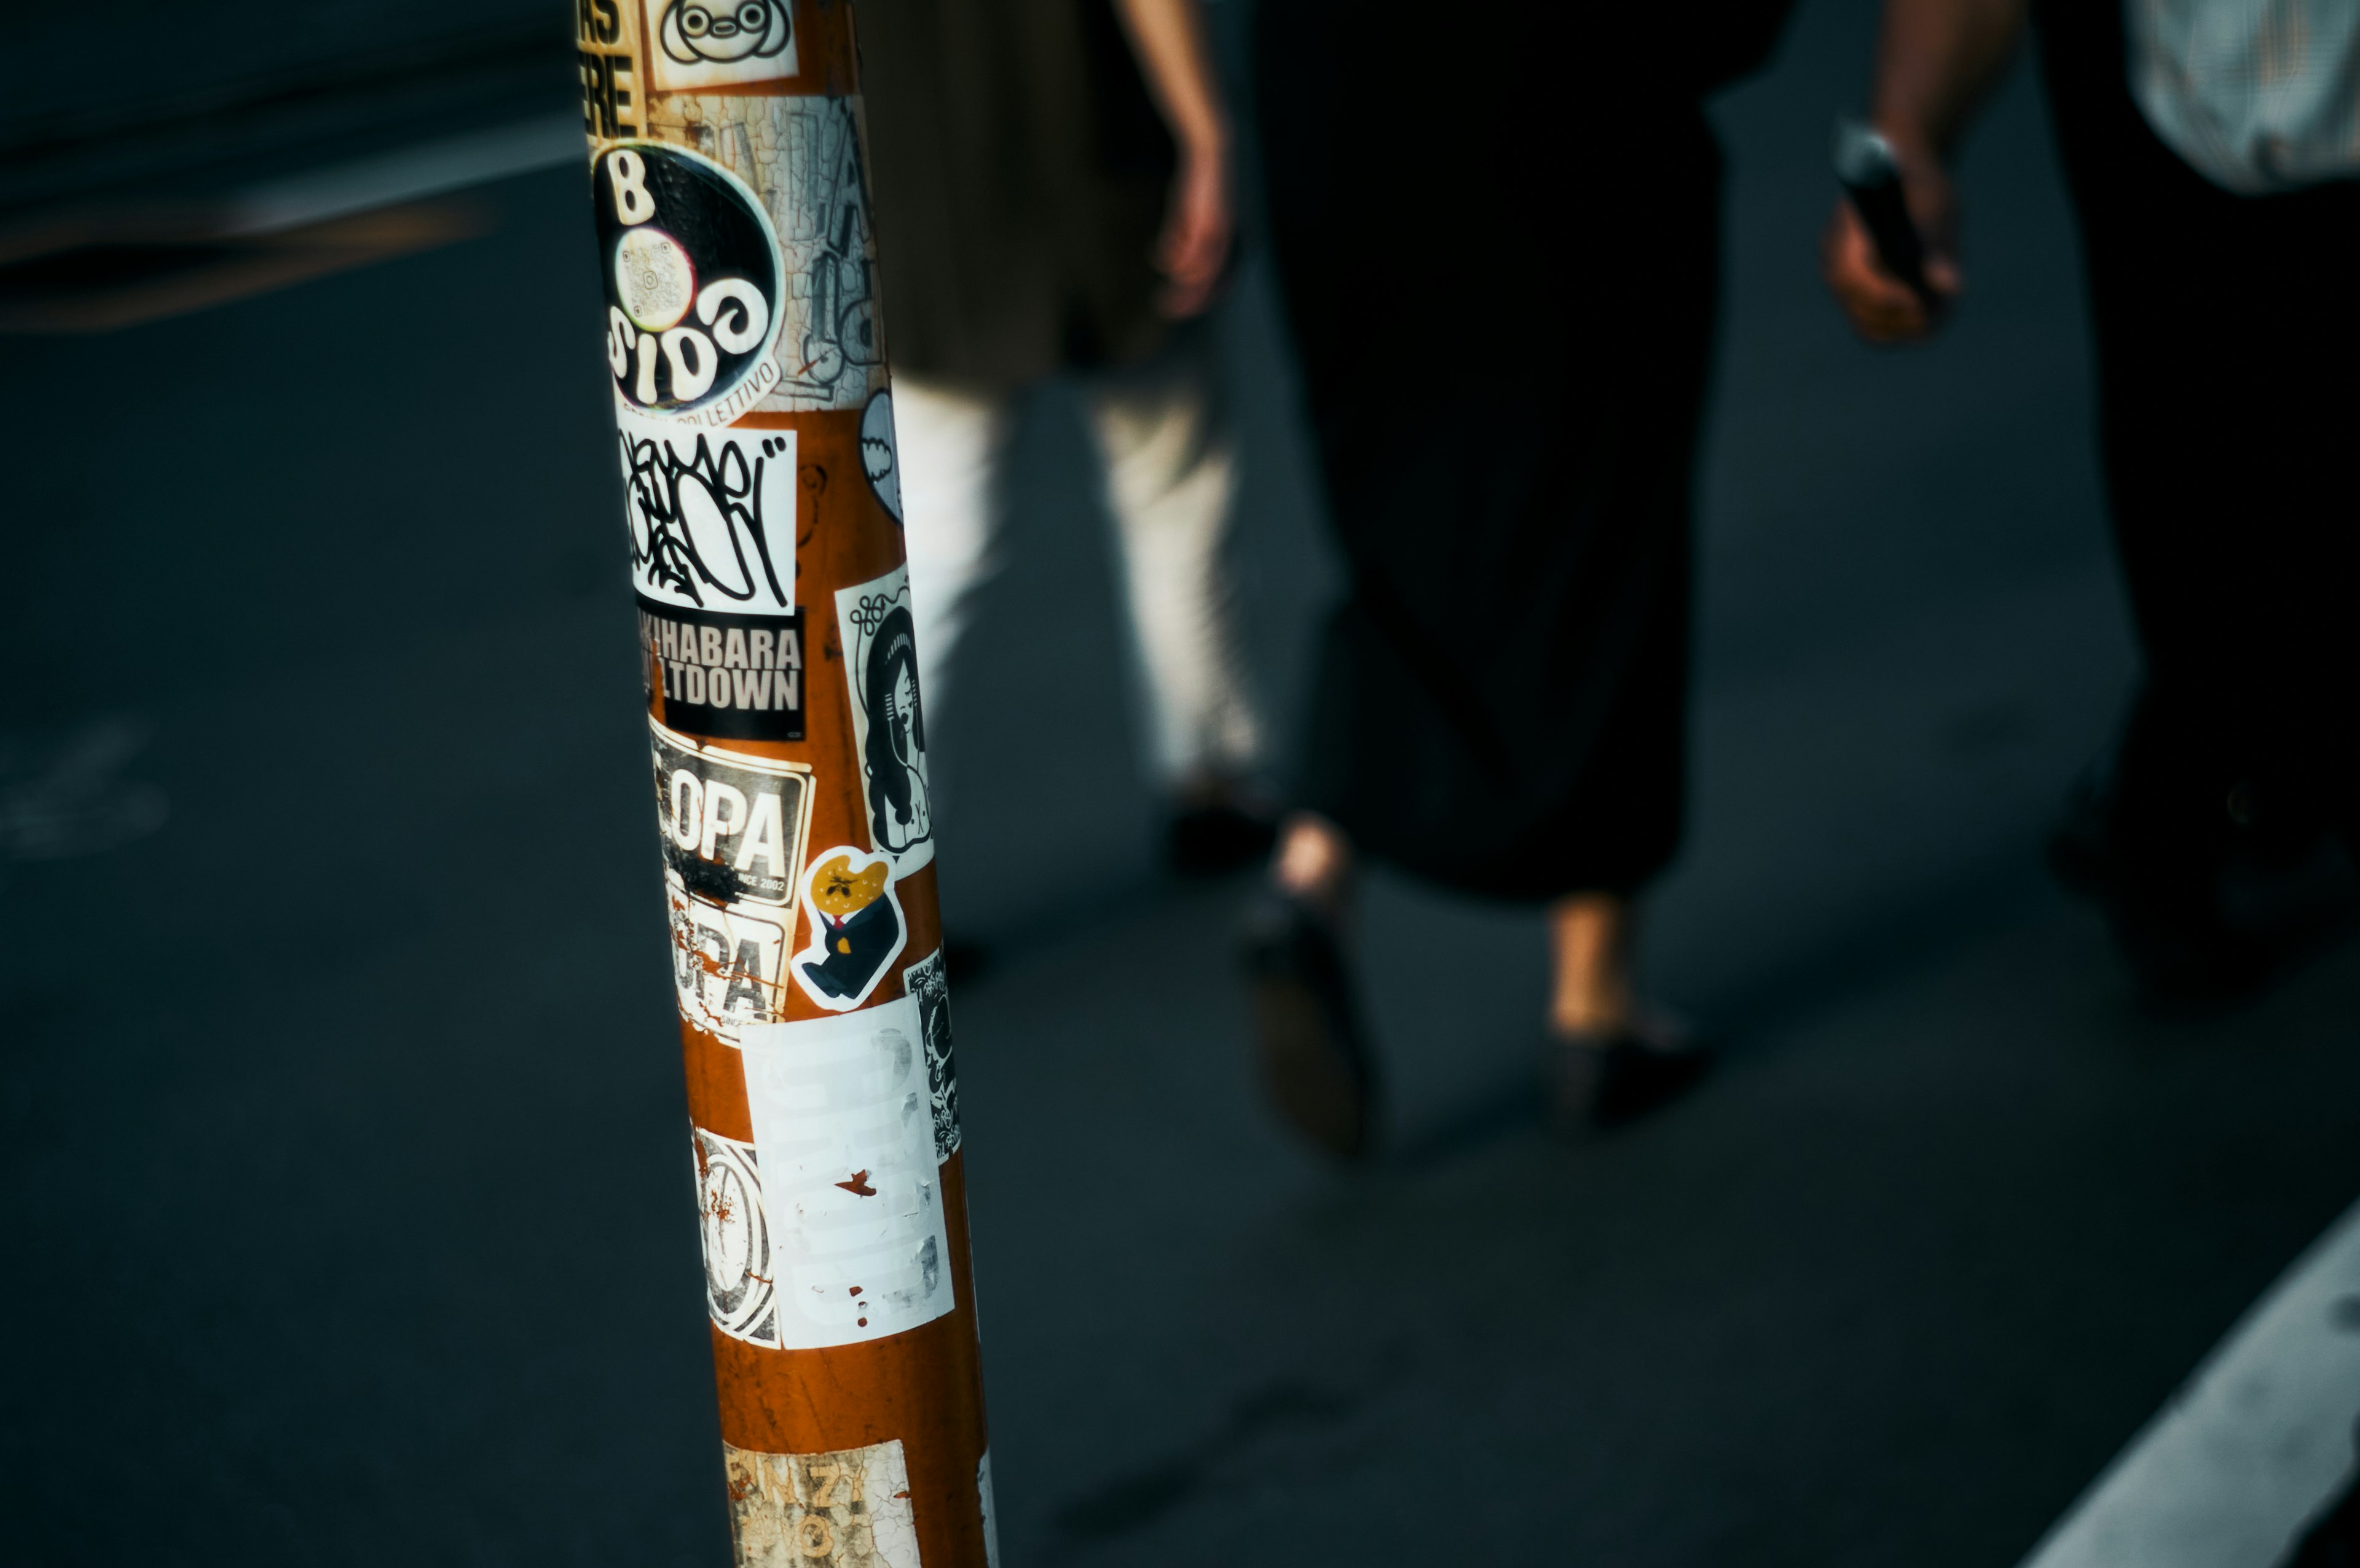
844 1129
850 1509
721 43
889 717
712 515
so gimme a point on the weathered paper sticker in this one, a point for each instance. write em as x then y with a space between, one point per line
802 154
844 1136
739 1288
733 829
846 1510
889 717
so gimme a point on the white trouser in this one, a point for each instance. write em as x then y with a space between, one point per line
1170 469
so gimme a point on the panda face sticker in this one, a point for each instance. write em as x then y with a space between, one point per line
695 295
708 43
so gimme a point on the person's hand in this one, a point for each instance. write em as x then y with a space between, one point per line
1193 247
1882 308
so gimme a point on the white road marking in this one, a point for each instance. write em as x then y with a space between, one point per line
2249 1448
427 170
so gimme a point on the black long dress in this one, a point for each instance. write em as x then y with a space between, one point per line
1497 232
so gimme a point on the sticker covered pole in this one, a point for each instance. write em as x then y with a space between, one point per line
788 760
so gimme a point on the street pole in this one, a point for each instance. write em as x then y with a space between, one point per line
730 194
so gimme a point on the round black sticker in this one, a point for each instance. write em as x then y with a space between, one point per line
694 292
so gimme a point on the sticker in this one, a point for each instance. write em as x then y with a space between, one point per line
925 981
990 1510
855 925
803 155
879 455
733 834
850 1190
733 677
712 515
715 43
695 299
605 45
739 1278
850 1509
889 719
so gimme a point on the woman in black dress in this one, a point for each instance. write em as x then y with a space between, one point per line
1497 240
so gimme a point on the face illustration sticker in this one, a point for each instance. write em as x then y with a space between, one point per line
695 295
717 43
855 925
889 717
877 454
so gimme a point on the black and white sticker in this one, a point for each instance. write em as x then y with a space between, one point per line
880 458
925 981
733 832
740 1279
695 296
720 43
889 719
856 923
712 515
733 677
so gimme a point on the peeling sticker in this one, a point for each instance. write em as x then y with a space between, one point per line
802 154
850 1509
857 929
733 831
739 1277
889 717
851 1196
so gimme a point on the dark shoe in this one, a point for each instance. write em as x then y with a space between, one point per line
1214 837
1601 1080
1314 1060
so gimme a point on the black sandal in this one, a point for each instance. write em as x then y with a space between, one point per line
1315 1065
1603 1079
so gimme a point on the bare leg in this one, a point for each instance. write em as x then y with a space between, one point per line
1314 861
1591 940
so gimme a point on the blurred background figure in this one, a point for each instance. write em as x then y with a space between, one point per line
2210 147
1054 183
1502 287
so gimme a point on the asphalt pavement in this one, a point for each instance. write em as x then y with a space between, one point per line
342 1177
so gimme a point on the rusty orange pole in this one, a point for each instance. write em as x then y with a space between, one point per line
729 184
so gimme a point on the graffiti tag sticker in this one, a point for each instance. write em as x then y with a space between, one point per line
695 297
721 43
733 831
712 515
849 1509
739 1278
889 719
851 1190
856 924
